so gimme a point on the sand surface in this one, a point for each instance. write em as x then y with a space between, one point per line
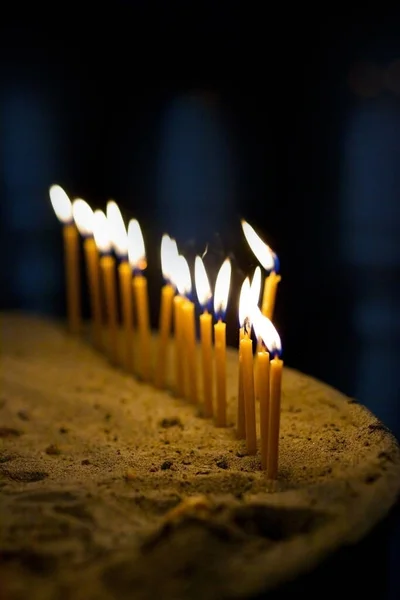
93 464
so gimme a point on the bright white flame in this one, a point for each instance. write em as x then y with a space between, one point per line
222 285
169 253
261 250
256 285
203 288
119 237
245 302
83 216
182 277
61 204
265 330
101 231
136 250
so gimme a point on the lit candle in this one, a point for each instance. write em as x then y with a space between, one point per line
241 415
119 240
137 258
203 291
221 294
101 232
63 208
273 344
184 285
168 255
270 262
246 365
83 216
261 326
255 289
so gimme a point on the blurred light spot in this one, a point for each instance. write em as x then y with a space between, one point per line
194 183
365 79
392 77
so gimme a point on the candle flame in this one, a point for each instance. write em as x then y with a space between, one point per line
255 286
245 302
203 288
61 204
182 277
222 285
83 216
265 330
136 249
119 237
101 231
169 253
261 250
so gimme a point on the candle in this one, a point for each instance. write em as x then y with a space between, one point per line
269 296
262 327
273 343
269 260
246 365
168 255
119 239
63 209
241 416
221 294
203 291
179 346
255 289
101 232
137 259
189 354
83 216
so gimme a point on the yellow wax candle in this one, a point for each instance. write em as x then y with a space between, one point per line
241 417
73 282
263 391
125 286
269 296
206 356
143 321
246 349
190 348
63 208
167 296
276 367
220 366
178 343
107 267
93 276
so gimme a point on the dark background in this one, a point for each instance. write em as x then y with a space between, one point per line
194 116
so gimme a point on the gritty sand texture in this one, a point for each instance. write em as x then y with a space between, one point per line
92 462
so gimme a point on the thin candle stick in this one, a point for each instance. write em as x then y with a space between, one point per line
72 272
220 365
276 366
167 296
93 276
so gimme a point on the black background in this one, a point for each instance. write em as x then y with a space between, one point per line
288 117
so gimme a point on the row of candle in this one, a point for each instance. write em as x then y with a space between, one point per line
105 235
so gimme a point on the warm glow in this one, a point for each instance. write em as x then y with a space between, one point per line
265 330
222 286
256 285
119 237
136 250
245 302
262 252
203 288
83 216
61 204
169 253
101 231
182 277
